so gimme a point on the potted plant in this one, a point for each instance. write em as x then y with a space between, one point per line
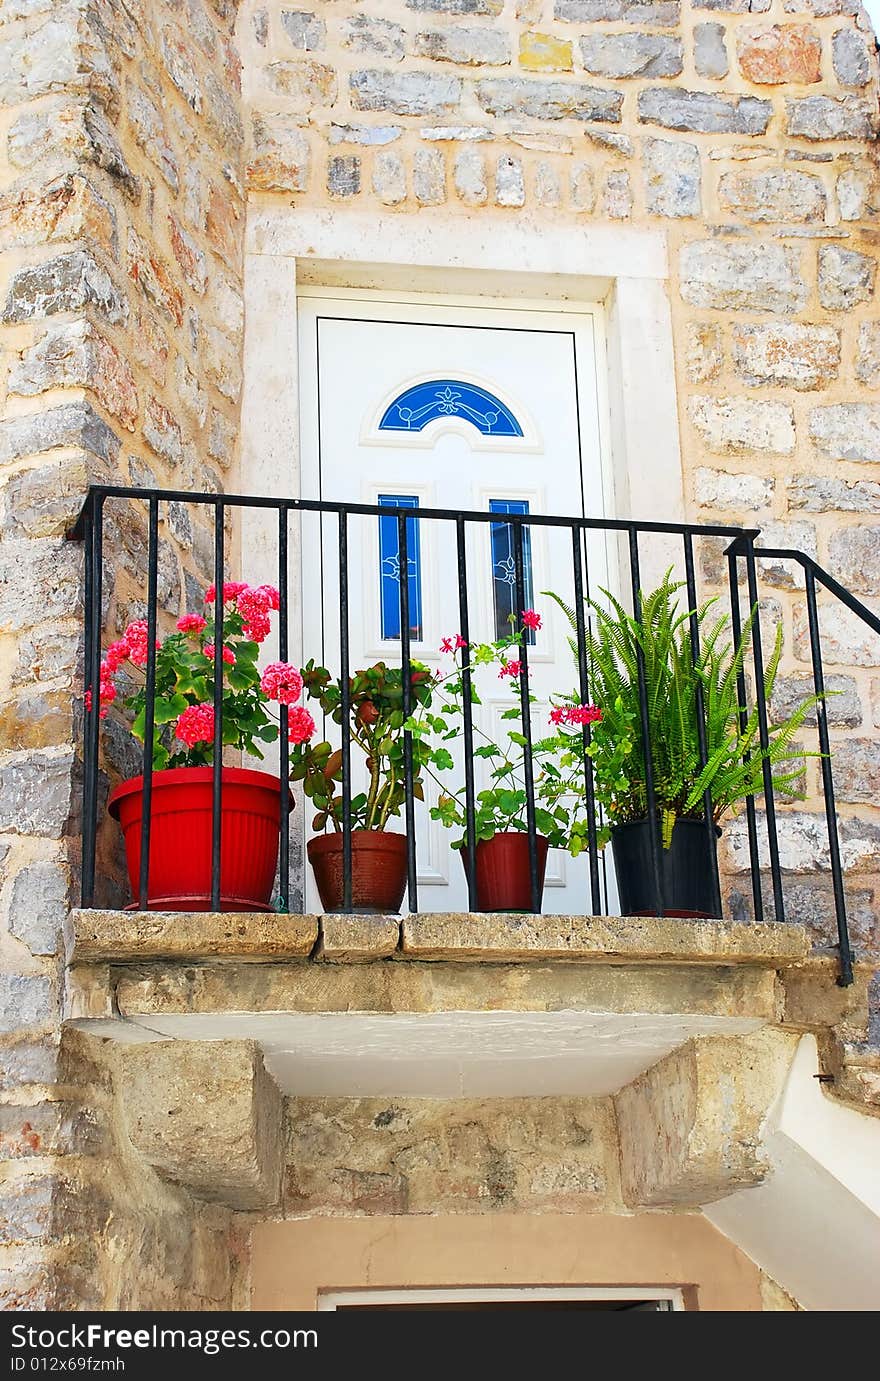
376 724
501 863
734 756
182 752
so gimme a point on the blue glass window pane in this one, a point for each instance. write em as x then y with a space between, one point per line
389 568
504 568
420 404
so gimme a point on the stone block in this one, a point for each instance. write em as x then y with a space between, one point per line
547 188
852 65
456 6
162 433
757 276
305 81
736 424
803 842
151 134
704 351
358 939
672 177
690 1127
830 117
344 176
782 195
843 706
617 197
39 905
846 640
510 187
429 177
469 175
787 354
821 494
188 936
663 14
405 93
545 53
42 582
548 100
74 354
854 189
304 29
67 283
280 154
854 558
389 178
847 431
731 492
631 55
868 352
856 765
68 424
154 278
365 33
703 112
779 54
582 187
846 278
710 52
466 47
792 535
208 1116
26 1001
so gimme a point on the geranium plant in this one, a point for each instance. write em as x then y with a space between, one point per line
183 702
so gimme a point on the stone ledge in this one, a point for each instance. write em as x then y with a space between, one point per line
142 936
609 939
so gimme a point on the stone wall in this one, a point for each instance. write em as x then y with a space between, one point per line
121 224
743 129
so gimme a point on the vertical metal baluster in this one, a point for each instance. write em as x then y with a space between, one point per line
581 628
91 720
406 678
284 754
736 631
345 709
468 715
526 716
764 733
845 977
644 717
217 783
700 711
150 705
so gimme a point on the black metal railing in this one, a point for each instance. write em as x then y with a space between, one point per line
91 529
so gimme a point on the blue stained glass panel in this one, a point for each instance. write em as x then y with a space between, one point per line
420 404
504 568
389 568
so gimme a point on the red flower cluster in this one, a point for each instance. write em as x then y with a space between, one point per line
254 603
191 623
532 620
575 715
132 647
300 725
231 590
135 639
281 682
451 645
513 668
195 725
227 654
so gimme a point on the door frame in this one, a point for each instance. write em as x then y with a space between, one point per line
330 1300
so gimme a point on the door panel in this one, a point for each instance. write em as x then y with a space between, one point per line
433 406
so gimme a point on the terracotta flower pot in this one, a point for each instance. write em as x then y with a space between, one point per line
503 874
378 870
180 837
686 870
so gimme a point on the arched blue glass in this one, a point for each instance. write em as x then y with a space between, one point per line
413 409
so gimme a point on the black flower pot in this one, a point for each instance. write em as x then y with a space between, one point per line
687 870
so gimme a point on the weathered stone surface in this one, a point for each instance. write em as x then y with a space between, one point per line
792 535
846 277
803 842
710 52
407 1155
846 640
189 936
38 905
357 939
786 353
704 355
856 766
868 352
723 489
154 278
76 354
205 1114
151 134
631 55
842 704
779 54
703 112
547 188
307 82
847 431
548 100
53 569
365 33
456 6
829 117
389 178
819 494
304 29
617 196
852 66
429 177
545 53
854 194
25 1002
510 187
690 1126
467 47
662 13
373 135
504 938
854 558
781 195
582 187
469 175
743 424
161 431
279 161
405 93
672 177
344 176
758 277
734 6
67 283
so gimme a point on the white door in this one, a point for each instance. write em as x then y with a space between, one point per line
430 405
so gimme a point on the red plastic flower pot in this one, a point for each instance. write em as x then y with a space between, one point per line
180 837
378 870
503 875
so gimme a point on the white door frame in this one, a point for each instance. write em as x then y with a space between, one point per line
329 1300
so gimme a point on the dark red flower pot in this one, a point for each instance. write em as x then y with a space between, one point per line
378 870
503 875
180 837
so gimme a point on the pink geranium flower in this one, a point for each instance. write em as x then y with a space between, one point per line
191 623
575 715
281 682
512 668
531 619
452 644
300 725
231 590
196 725
135 638
228 654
